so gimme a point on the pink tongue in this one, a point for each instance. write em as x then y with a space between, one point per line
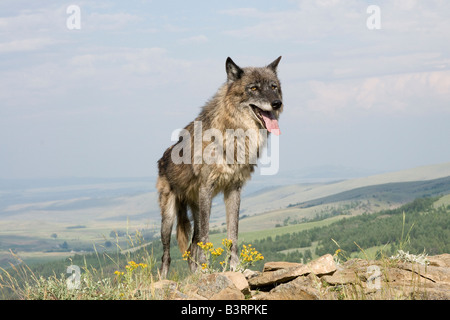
271 123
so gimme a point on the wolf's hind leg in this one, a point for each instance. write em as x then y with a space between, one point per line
168 214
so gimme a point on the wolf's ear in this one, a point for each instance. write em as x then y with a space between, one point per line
233 71
274 64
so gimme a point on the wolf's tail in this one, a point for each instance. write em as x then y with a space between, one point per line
183 228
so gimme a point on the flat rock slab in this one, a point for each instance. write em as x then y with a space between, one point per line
301 288
277 265
321 266
239 281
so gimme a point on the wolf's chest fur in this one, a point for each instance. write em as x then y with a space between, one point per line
227 175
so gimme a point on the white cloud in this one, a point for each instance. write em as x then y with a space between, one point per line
41 21
105 21
416 93
97 72
245 12
26 45
405 24
311 21
194 40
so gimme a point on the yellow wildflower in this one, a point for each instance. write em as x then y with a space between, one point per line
205 246
249 254
216 252
131 266
227 243
186 255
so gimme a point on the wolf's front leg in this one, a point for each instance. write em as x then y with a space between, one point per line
193 248
232 203
205 199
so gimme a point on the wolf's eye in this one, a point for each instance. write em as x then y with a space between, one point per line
274 87
254 88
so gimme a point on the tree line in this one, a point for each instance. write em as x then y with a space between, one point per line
427 228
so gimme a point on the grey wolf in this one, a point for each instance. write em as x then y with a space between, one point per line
250 99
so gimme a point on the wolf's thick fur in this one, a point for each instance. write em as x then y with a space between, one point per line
238 104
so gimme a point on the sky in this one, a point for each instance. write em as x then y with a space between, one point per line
99 94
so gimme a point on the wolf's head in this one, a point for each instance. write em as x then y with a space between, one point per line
258 93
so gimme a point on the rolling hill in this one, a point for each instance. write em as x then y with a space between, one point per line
395 192
274 198
36 219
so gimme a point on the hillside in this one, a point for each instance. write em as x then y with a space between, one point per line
274 198
352 202
425 225
395 192
418 226
57 218
334 275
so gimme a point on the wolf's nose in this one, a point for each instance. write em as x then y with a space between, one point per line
276 104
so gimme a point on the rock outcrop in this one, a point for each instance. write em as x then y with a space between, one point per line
271 277
323 278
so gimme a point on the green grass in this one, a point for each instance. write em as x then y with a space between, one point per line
443 201
134 276
251 236
261 234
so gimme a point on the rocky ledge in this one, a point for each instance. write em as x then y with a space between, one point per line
322 278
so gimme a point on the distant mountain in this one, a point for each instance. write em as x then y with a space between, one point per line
396 192
38 191
270 197
316 174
